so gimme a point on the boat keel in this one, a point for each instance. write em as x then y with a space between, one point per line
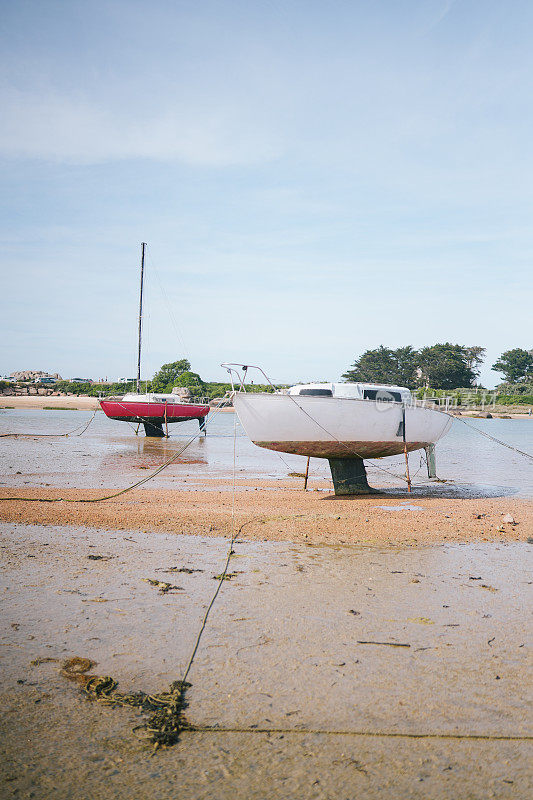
349 476
154 429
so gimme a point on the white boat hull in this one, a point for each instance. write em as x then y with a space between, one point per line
332 427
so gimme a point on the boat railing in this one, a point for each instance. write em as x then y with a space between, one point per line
441 403
446 403
238 372
216 402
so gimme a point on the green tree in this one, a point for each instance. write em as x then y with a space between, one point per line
474 358
374 366
169 374
446 366
188 379
384 365
516 365
406 361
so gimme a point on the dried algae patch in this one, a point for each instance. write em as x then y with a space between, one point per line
163 586
75 669
167 709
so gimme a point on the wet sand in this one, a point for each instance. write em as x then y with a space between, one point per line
281 511
287 648
294 644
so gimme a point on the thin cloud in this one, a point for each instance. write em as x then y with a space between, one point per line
58 127
442 14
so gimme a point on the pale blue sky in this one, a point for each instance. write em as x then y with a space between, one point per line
312 178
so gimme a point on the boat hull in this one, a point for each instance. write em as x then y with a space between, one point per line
330 427
133 411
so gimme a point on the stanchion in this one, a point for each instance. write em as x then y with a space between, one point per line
306 473
408 477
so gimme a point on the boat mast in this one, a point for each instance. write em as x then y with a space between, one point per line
143 245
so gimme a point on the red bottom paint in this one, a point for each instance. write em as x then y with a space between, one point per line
343 449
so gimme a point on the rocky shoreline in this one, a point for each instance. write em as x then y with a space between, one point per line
31 391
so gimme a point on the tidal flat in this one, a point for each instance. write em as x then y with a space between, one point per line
364 663
361 647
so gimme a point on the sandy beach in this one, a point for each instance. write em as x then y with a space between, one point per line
71 402
280 511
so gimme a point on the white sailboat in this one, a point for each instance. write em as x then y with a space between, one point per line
343 422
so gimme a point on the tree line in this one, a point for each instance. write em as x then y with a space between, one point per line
439 366
174 374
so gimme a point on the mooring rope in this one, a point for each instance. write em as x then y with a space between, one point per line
168 721
493 438
496 737
115 494
45 435
168 708
168 718
223 574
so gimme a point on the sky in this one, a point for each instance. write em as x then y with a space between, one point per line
313 178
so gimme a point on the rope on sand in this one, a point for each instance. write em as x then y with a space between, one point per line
115 494
168 718
496 737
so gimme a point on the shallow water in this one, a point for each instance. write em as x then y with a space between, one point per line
110 455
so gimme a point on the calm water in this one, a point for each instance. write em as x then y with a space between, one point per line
110 455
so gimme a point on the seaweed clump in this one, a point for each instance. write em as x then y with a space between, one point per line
167 709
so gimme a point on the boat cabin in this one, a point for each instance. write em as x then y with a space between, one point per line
354 391
132 397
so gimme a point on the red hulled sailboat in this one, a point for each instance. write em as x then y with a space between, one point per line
153 410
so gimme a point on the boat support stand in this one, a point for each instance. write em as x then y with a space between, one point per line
349 476
431 461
